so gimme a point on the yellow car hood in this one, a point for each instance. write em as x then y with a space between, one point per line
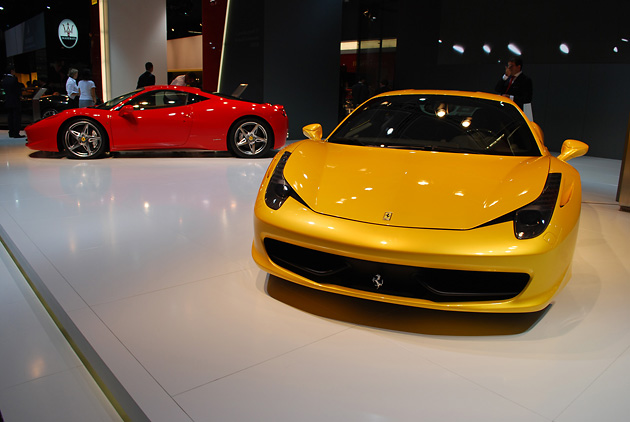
409 188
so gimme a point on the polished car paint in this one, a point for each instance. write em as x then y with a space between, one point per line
411 224
164 117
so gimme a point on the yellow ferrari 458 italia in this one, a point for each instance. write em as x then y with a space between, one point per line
437 199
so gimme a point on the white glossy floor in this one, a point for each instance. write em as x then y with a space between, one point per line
145 261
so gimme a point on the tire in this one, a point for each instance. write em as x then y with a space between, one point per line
84 138
250 137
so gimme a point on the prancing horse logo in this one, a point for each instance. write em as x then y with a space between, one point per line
378 281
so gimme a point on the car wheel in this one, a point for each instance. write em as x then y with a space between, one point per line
84 138
49 112
250 138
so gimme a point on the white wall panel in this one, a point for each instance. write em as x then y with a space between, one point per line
136 34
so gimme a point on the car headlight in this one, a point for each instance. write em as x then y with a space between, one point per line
278 190
532 219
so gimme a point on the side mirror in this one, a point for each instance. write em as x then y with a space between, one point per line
313 131
126 111
572 149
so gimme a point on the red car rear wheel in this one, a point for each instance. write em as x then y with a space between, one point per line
250 137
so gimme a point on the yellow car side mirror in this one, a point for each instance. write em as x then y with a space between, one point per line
572 149
313 131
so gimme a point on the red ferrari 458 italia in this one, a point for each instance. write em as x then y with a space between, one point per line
163 117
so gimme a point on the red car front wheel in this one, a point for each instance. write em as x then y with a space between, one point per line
84 138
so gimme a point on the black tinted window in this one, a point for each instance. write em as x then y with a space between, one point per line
441 123
113 102
159 99
194 98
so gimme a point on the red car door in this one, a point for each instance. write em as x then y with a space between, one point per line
155 119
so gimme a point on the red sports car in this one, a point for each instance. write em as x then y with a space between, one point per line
163 117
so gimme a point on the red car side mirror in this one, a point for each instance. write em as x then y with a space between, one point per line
126 111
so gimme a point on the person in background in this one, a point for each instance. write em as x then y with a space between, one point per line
514 84
360 92
147 78
72 88
189 79
12 96
87 89
383 86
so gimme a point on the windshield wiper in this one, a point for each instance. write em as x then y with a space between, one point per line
438 148
348 141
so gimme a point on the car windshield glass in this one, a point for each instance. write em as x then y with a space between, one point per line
439 123
113 102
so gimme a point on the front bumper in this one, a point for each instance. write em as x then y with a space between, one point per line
481 270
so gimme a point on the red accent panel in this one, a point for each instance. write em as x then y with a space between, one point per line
213 21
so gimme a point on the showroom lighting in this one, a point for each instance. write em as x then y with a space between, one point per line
458 48
487 48
564 48
514 49
353 46
615 49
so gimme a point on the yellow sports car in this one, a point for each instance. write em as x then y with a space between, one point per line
437 199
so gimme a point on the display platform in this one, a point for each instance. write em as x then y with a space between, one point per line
145 261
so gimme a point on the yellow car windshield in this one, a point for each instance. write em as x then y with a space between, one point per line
439 123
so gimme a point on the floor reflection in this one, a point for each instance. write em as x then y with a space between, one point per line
399 318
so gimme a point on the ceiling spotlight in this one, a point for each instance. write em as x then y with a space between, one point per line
369 15
564 48
458 48
616 50
514 49
487 48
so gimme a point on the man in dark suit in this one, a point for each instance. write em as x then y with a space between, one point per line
360 92
515 84
147 78
12 95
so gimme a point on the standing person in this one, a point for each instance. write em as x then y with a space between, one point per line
515 84
87 89
72 89
360 92
147 78
13 92
383 86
